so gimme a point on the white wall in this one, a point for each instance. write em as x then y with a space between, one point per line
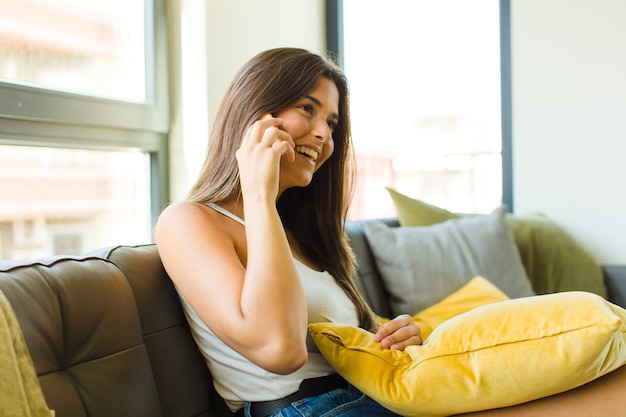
569 118
239 29
209 41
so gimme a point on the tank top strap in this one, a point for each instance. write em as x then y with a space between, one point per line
225 212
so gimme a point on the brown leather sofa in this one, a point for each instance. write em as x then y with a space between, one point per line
108 337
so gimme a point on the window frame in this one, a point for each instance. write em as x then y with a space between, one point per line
335 46
33 116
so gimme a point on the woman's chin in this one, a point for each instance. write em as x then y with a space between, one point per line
301 181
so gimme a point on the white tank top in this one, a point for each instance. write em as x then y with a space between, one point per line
238 380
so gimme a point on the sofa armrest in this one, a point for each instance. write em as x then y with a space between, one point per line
615 279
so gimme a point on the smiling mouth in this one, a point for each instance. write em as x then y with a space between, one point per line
308 152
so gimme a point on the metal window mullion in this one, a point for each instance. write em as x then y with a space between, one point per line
506 104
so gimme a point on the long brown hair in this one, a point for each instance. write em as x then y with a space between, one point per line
269 83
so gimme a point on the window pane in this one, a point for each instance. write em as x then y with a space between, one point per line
425 102
80 46
69 201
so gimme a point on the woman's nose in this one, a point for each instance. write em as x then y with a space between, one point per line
322 131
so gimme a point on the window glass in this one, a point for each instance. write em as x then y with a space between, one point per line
79 46
425 102
69 201
83 124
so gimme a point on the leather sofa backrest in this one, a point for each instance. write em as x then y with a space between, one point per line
108 337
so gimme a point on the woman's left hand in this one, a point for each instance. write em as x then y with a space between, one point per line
399 333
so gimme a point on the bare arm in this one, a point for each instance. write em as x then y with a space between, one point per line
259 308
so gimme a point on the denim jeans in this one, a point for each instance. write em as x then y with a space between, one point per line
342 402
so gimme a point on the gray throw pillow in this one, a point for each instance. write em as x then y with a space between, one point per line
421 265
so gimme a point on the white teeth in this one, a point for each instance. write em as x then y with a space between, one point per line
307 151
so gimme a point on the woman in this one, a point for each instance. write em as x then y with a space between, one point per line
258 250
279 157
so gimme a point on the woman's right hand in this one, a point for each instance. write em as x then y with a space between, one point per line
259 156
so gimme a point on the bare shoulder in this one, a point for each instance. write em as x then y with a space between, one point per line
187 217
189 232
182 212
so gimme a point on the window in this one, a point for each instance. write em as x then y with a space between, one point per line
426 101
83 124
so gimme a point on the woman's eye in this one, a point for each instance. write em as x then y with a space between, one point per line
307 108
332 125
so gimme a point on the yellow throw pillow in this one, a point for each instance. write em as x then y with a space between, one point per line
492 356
477 292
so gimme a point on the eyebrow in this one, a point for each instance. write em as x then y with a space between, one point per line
319 104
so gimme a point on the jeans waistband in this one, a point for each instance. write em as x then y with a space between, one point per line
309 387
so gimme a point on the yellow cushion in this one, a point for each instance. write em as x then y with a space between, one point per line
474 294
477 292
492 356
